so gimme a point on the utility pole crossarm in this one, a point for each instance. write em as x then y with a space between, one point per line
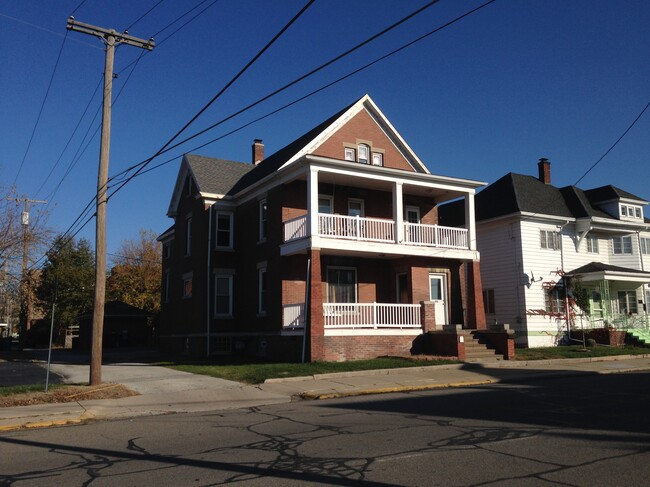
120 38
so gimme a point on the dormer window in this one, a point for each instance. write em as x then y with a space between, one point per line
629 211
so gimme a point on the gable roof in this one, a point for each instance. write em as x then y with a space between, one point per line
219 177
212 177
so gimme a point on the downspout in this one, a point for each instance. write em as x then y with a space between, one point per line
207 287
645 294
566 291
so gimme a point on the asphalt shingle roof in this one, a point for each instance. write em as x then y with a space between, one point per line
216 176
514 193
600 267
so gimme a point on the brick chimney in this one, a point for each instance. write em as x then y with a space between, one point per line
258 151
544 168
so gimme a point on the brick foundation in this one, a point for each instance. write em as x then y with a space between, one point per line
342 348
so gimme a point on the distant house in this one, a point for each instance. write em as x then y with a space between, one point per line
124 326
534 238
334 239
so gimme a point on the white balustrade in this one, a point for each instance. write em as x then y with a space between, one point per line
293 316
435 236
371 315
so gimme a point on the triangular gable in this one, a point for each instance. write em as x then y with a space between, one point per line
397 145
183 172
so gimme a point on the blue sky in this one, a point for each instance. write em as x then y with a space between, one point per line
491 94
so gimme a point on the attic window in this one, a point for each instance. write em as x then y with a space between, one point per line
364 153
631 211
188 187
350 154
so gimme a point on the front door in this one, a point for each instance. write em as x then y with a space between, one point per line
438 295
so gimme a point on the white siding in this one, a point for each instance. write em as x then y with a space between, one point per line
499 245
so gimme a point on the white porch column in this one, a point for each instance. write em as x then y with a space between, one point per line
470 221
398 212
312 202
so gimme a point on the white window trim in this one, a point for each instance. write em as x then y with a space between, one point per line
231 228
263 229
414 209
330 199
380 156
350 154
368 151
622 239
644 243
591 248
544 243
362 203
230 295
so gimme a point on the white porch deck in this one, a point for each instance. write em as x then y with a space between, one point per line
378 230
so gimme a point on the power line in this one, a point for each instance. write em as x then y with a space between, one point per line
144 15
40 112
312 93
144 163
220 92
614 144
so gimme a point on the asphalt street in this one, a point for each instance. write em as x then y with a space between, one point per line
580 431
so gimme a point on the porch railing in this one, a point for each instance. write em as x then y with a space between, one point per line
371 315
435 236
356 228
293 316
378 230
295 228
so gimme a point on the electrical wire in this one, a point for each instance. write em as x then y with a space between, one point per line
40 112
143 15
338 80
614 144
144 163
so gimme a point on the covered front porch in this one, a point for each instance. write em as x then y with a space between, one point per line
617 296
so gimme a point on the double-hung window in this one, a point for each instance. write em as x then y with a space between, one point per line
187 285
223 295
224 230
549 239
622 245
592 245
554 300
645 245
627 302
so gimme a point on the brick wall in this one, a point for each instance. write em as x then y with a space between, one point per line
341 348
363 125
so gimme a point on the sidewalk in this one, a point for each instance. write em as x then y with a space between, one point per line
166 391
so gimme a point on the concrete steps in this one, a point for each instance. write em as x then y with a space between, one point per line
476 351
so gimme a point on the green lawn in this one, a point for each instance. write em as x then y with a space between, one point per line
257 373
11 390
576 351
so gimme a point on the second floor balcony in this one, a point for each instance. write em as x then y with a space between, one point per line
378 230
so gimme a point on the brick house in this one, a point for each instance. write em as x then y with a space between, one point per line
334 238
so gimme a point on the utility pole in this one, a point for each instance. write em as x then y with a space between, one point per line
110 37
25 287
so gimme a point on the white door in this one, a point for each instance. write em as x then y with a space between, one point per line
438 295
